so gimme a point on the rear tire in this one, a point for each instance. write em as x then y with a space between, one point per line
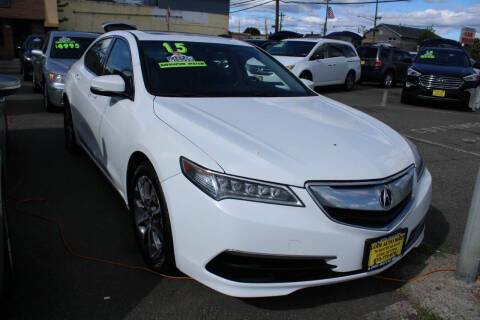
151 220
388 80
349 84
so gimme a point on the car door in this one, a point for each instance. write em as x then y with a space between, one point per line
338 63
321 71
87 107
118 114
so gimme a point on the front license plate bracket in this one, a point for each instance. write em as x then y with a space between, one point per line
380 251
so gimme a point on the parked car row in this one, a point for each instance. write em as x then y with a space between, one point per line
51 62
234 171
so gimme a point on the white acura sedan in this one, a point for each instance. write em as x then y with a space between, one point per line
252 187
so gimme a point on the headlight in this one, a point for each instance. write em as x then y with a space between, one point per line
26 58
59 78
471 77
419 166
414 73
290 67
221 186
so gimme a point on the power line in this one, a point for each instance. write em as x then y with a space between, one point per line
242 3
258 5
341 3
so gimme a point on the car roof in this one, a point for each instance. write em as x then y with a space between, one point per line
444 49
317 40
177 36
74 34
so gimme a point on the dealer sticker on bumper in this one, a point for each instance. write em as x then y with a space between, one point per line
381 251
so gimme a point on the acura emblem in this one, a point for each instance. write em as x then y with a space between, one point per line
386 198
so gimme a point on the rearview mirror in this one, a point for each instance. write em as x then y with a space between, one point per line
110 86
37 52
308 83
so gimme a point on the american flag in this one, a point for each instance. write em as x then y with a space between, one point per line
330 14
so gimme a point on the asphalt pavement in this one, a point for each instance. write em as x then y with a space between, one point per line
52 284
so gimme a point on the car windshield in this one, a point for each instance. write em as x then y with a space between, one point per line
196 69
367 52
69 47
443 57
292 48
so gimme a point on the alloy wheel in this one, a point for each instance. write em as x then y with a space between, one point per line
148 219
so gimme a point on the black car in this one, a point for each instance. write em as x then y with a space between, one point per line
8 85
264 44
444 74
32 42
384 64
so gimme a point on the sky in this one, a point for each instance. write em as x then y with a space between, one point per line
446 16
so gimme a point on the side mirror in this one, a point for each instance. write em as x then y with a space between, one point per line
317 56
37 52
8 85
110 86
308 83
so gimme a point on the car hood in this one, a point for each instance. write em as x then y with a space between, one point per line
443 70
60 66
288 61
288 140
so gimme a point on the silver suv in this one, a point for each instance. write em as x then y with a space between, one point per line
50 65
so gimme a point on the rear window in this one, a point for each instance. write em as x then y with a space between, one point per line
69 47
367 52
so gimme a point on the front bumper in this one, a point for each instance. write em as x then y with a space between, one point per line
55 93
462 94
203 229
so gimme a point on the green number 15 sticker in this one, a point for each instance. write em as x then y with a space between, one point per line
180 47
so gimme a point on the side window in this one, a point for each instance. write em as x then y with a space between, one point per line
385 53
95 57
120 62
334 51
320 53
349 51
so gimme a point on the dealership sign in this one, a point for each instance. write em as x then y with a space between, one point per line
467 35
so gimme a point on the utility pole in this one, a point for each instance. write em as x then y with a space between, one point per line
281 20
277 9
326 18
375 21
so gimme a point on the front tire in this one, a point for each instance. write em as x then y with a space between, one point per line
151 220
69 131
349 84
46 101
306 75
36 88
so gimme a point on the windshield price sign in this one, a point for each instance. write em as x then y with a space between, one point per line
467 35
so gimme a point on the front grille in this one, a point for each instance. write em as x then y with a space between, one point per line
369 219
440 82
362 204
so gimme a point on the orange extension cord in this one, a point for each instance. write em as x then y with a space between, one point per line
128 266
